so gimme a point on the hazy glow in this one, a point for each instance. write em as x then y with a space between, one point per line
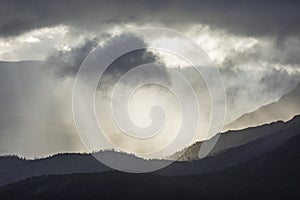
250 65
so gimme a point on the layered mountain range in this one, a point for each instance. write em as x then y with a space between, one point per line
271 172
232 148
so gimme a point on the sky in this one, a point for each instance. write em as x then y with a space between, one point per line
254 44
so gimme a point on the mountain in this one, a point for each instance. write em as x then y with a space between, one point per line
231 139
272 175
284 109
233 148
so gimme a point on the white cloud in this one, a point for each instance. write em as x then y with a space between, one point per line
33 45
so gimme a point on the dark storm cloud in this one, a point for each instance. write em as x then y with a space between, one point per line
241 17
63 63
66 63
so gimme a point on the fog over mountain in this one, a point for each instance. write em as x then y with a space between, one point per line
32 122
232 149
254 45
192 99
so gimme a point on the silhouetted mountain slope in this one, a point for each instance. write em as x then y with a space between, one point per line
233 139
231 156
273 175
13 169
284 109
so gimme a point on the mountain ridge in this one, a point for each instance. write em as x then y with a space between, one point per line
270 112
13 169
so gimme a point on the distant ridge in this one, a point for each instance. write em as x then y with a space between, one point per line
284 109
231 139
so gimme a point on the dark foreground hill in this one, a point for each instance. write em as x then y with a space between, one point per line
273 175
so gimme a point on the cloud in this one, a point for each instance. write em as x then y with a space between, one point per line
244 70
67 62
266 52
255 44
64 63
240 17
